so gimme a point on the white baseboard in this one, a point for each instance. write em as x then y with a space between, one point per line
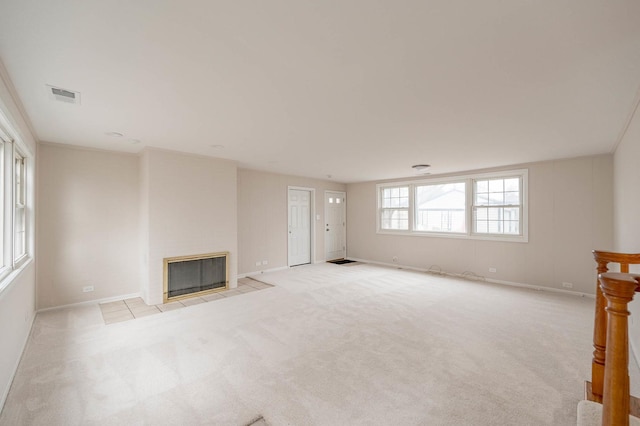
391 265
92 302
249 274
5 393
280 268
541 288
489 280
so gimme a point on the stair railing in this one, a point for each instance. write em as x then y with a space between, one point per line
618 290
594 390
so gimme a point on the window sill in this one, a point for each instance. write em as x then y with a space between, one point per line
491 237
9 275
19 262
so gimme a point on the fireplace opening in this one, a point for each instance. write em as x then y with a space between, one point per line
190 276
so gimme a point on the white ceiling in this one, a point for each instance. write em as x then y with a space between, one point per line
356 89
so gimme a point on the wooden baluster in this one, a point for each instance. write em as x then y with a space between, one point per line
599 337
618 289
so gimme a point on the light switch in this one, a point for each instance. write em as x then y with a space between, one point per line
317 217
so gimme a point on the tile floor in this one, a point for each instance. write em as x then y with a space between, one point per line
128 309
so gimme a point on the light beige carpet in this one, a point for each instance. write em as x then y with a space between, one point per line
328 345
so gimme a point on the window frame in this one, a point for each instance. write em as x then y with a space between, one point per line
504 205
435 182
408 209
5 228
470 225
11 147
19 258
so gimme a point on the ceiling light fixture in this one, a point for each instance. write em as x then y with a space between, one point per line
420 168
114 134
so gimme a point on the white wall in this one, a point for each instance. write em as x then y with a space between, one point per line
262 217
17 311
570 214
17 300
627 210
88 225
190 204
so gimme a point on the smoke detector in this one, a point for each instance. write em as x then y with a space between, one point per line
63 95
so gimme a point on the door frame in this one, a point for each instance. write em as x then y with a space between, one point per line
312 222
343 194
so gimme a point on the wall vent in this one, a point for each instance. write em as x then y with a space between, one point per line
63 95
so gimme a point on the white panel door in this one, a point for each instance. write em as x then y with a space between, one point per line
335 226
299 227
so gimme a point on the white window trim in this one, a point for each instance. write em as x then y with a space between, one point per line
427 182
409 208
11 143
17 262
6 267
469 234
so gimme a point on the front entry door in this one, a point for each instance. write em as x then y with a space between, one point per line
335 226
299 227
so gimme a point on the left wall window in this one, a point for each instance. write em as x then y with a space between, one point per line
20 213
15 163
4 140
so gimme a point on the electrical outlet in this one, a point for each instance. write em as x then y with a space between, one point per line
395 259
264 262
567 285
494 270
87 289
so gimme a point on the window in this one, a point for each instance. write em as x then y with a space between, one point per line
20 216
4 142
483 206
441 207
14 202
496 208
395 208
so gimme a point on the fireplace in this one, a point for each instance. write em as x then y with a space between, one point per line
190 276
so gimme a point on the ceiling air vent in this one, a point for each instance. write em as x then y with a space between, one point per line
64 95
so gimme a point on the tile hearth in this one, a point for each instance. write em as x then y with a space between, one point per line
128 309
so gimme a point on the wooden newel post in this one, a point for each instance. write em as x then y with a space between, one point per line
618 289
599 337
